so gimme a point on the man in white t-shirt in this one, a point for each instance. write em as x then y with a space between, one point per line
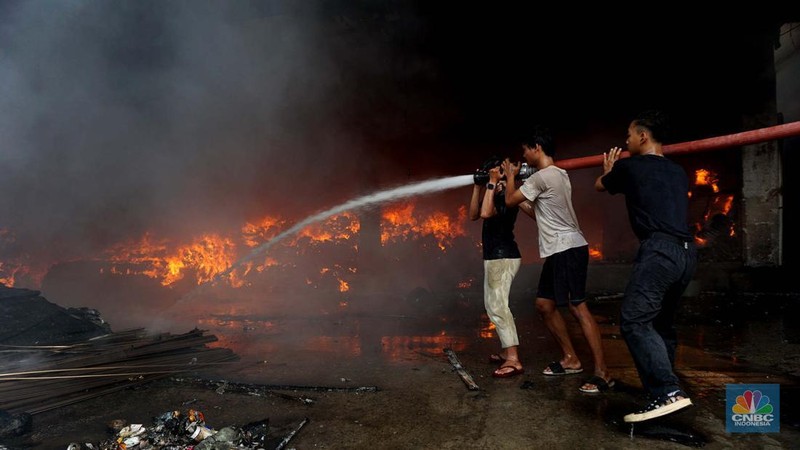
566 252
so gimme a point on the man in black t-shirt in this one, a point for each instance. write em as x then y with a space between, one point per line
501 262
656 195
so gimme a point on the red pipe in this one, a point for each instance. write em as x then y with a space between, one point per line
715 143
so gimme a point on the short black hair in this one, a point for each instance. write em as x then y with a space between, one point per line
656 122
491 162
540 135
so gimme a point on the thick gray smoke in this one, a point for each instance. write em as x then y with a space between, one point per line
118 118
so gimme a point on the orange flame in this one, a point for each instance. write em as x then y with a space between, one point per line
267 228
207 256
340 227
7 274
21 267
595 252
399 223
718 205
703 177
487 331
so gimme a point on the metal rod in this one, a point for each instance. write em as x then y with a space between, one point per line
291 435
466 377
127 367
103 365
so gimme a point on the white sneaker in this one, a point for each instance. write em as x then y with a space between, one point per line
662 406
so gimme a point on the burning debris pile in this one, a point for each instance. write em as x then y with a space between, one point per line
322 255
333 255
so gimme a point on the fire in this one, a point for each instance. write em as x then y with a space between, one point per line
703 177
716 220
22 272
269 262
207 256
720 205
397 222
337 228
147 252
146 249
20 267
487 331
400 222
264 230
595 252
7 274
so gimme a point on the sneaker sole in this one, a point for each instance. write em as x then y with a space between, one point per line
663 411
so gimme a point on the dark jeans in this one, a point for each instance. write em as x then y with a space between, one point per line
661 272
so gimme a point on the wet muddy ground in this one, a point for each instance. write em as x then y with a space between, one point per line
414 398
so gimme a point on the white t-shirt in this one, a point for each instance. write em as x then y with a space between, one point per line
550 192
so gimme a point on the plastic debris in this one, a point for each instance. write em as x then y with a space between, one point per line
176 430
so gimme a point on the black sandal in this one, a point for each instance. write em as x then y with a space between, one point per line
600 385
556 369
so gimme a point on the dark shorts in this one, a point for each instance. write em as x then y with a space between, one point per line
563 277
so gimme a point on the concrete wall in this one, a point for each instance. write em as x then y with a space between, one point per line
787 78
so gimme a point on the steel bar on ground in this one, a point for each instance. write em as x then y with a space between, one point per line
451 355
291 434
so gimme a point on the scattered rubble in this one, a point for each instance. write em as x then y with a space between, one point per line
175 430
12 425
52 356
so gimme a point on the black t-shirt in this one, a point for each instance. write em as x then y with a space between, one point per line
498 231
656 194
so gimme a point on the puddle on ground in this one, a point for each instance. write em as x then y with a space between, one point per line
724 340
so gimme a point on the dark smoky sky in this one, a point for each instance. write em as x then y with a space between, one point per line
179 117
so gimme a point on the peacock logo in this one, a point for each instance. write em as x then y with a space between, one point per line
752 402
753 408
